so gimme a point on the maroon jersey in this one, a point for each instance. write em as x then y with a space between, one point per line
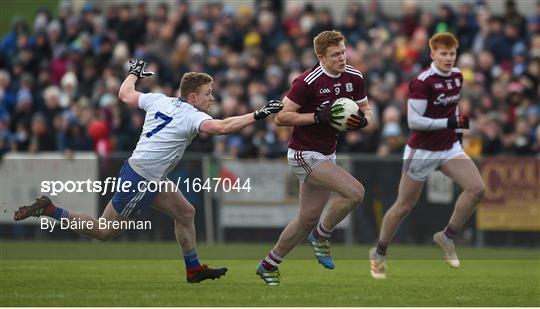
441 91
313 88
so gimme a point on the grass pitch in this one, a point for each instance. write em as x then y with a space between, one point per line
123 274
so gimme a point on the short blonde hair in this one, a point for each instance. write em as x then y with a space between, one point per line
326 39
443 39
191 83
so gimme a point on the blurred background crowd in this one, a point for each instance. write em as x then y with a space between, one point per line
60 74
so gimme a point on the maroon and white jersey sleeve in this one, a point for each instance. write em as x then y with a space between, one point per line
361 94
416 107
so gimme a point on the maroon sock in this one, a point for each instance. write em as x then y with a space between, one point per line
381 248
450 231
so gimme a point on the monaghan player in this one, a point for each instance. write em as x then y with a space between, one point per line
169 127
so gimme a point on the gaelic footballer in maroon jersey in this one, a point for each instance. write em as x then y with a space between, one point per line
313 88
433 116
311 154
441 91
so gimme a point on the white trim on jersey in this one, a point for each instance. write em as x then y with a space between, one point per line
361 100
313 78
352 70
424 75
310 75
416 120
330 74
439 72
354 73
432 70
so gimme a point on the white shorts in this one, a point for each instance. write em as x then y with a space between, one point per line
420 163
302 162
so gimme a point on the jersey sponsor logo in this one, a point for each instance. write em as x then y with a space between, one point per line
442 99
438 85
348 87
324 91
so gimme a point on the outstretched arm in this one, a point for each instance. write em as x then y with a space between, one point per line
227 125
237 123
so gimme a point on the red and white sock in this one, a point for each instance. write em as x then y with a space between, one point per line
321 233
271 261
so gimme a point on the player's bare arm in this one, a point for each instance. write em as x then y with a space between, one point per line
237 123
289 115
127 92
366 109
226 126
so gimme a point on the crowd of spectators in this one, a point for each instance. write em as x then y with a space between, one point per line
60 75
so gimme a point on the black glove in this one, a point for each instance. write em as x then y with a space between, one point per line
136 67
274 106
323 113
459 122
459 137
356 122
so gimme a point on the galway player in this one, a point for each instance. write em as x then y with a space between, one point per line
312 149
169 127
433 116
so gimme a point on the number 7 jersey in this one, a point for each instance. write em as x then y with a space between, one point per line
169 127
